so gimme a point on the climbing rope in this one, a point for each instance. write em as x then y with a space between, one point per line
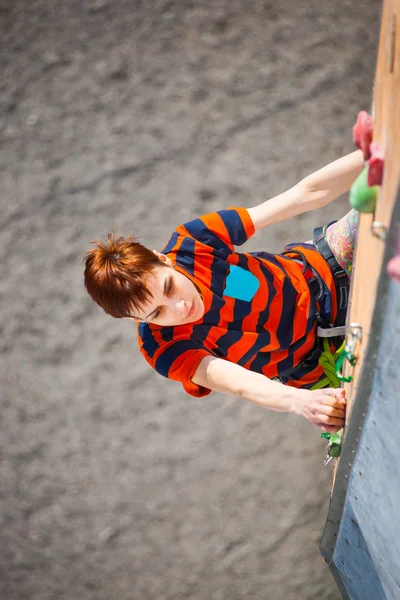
329 361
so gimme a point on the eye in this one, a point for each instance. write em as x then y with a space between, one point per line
157 313
170 286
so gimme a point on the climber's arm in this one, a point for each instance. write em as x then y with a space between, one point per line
314 191
324 408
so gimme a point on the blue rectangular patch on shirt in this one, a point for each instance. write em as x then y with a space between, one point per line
241 284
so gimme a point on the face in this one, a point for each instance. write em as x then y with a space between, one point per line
175 301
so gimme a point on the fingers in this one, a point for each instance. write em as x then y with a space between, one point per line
332 407
334 396
332 411
329 412
328 409
330 428
329 415
329 420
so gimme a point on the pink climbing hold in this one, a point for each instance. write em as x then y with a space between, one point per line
376 164
393 268
363 132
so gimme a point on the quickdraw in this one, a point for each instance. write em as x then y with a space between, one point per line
345 356
349 353
335 364
334 447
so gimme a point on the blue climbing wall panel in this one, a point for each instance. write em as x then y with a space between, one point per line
367 551
361 540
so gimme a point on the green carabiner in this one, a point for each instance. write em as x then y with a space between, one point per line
335 443
339 365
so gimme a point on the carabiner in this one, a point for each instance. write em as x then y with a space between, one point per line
340 364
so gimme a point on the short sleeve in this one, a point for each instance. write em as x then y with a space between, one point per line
183 369
221 230
177 360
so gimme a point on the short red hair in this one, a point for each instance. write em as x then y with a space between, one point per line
116 273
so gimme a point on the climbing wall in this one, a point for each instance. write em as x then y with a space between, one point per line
361 540
362 532
373 227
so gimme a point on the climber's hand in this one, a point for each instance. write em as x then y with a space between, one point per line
324 408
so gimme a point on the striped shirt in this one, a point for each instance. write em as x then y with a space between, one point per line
259 312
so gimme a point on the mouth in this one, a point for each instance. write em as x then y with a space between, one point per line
191 311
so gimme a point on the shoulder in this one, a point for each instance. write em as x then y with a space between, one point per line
156 342
175 359
152 337
220 230
316 260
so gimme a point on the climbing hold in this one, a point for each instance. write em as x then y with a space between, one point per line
362 196
363 132
376 164
393 268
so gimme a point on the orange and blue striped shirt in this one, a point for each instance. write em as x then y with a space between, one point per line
259 312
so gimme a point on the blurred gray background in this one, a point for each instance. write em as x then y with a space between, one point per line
136 116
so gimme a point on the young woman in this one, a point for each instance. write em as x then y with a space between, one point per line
244 324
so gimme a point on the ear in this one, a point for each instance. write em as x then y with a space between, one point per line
164 258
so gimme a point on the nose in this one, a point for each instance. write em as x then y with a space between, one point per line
176 304
179 306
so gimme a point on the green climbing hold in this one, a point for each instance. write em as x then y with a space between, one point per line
362 196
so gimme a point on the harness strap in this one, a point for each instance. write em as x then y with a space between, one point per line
325 331
339 275
315 284
322 332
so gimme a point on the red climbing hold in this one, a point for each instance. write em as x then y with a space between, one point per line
393 268
376 164
362 133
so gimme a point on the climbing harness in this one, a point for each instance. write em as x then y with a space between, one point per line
327 333
339 275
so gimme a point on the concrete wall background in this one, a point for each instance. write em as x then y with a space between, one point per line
137 116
